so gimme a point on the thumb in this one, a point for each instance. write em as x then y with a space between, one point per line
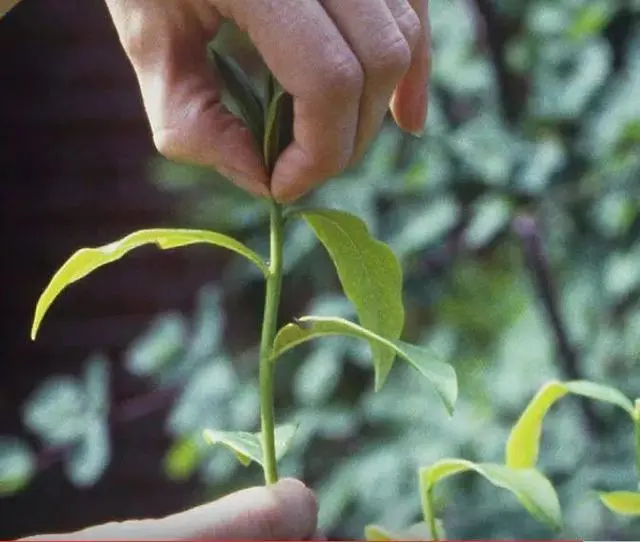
285 511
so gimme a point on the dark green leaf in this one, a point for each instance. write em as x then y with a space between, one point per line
419 531
370 275
278 128
441 375
241 98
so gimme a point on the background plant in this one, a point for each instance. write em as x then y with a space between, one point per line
516 219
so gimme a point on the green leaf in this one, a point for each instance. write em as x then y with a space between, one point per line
625 503
523 446
247 446
87 260
90 457
17 465
419 531
241 97
371 277
279 125
530 487
182 459
441 375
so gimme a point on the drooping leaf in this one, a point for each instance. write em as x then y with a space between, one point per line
247 446
419 531
87 260
370 275
625 503
241 97
532 489
278 125
441 375
523 445
17 465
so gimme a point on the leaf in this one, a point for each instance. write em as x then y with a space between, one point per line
530 487
90 457
370 275
625 503
17 465
247 446
244 100
279 125
182 459
87 260
441 375
523 445
419 531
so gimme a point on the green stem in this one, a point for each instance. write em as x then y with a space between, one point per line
637 432
269 328
428 511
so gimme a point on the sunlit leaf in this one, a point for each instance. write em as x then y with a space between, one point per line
87 260
244 100
247 446
17 465
441 375
530 487
419 531
523 446
370 275
625 503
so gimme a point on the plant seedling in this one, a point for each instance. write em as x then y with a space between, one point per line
371 278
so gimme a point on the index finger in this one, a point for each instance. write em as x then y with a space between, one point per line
307 54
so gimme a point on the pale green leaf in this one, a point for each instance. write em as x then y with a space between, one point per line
625 503
90 457
247 446
441 375
370 275
17 465
87 260
523 446
530 487
419 531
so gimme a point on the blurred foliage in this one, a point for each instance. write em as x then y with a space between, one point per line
517 220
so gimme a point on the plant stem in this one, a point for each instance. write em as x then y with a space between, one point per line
637 433
269 323
428 512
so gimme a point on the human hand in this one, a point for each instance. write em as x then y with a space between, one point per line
342 61
284 511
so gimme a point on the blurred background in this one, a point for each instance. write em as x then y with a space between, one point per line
516 218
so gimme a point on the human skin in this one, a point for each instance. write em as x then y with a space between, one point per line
344 63
285 511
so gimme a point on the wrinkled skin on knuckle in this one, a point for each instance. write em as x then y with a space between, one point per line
412 28
391 59
342 78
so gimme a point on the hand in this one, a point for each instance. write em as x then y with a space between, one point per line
285 511
343 61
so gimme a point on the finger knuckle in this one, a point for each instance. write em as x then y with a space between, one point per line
411 27
344 75
392 58
267 518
